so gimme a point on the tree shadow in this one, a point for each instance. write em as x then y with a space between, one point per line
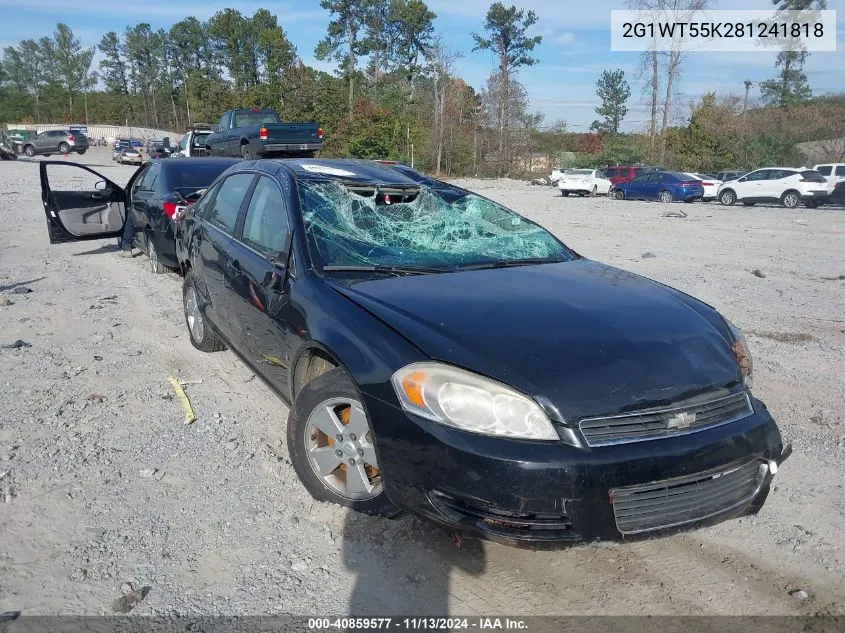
404 566
17 284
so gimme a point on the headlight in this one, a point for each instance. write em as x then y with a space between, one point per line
743 355
470 402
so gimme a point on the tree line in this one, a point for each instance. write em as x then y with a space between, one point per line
395 94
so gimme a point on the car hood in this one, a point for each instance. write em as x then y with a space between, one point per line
581 337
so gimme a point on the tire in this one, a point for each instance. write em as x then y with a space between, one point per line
618 194
332 401
202 337
665 197
64 148
156 267
790 199
247 155
29 150
813 204
82 151
564 194
595 191
727 198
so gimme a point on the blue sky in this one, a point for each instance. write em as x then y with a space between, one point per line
575 48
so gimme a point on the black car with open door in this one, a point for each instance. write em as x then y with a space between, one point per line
95 207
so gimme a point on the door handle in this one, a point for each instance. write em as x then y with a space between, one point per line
234 265
98 196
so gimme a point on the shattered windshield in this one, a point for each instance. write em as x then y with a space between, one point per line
369 225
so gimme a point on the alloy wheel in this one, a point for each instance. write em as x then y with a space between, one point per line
791 200
153 255
665 197
193 315
340 450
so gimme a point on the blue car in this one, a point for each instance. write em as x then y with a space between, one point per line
665 186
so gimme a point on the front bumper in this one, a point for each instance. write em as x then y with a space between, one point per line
536 493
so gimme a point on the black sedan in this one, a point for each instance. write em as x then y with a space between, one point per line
153 195
444 355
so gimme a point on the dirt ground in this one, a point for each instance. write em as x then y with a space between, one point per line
105 491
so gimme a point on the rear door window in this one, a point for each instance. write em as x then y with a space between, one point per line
825 170
223 212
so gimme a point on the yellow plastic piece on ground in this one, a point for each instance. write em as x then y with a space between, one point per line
190 416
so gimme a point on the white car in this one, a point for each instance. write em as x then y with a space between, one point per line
557 174
787 185
710 184
584 182
833 172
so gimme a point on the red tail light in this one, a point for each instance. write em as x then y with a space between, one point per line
70 139
707 184
263 134
169 209
320 132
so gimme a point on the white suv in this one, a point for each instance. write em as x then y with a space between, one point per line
834 172
786 185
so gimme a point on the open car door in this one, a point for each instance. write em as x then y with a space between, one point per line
89 206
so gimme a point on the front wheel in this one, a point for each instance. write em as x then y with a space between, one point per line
790 199
665 197
331 445
619 194
727 198
564 193
202 337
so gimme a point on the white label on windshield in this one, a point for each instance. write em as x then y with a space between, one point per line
331 171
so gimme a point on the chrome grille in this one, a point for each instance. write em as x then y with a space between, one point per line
675 502
659 423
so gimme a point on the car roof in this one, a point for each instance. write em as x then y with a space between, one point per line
345 169
198 161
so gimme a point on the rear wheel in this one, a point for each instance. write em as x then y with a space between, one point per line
331 445
665 196
64 148
790 199
594 191
82 151
156 267
202 337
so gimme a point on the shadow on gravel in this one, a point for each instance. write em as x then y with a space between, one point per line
404 566
104 248
17 284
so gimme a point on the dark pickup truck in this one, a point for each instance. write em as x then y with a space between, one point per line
260 133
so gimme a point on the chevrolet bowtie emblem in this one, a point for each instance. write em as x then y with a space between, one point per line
681 421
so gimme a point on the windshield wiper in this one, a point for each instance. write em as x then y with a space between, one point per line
510 263
399 270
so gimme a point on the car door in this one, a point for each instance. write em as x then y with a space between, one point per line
45 141
213 237
89 207
650 186
139 191
258 276
751 187
602 182
776 183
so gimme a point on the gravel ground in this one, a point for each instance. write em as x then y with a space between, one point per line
108 500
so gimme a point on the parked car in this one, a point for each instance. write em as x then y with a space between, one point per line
710 184
785 185
584 182
192 142
726 176
838 195
665 186
130 155
118 147
833 173
379 337
260 133
622 173
158 149
136 143
7 147
155 196
56 142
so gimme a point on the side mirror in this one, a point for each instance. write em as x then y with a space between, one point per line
101 185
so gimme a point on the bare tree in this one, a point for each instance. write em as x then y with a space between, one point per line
441 63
